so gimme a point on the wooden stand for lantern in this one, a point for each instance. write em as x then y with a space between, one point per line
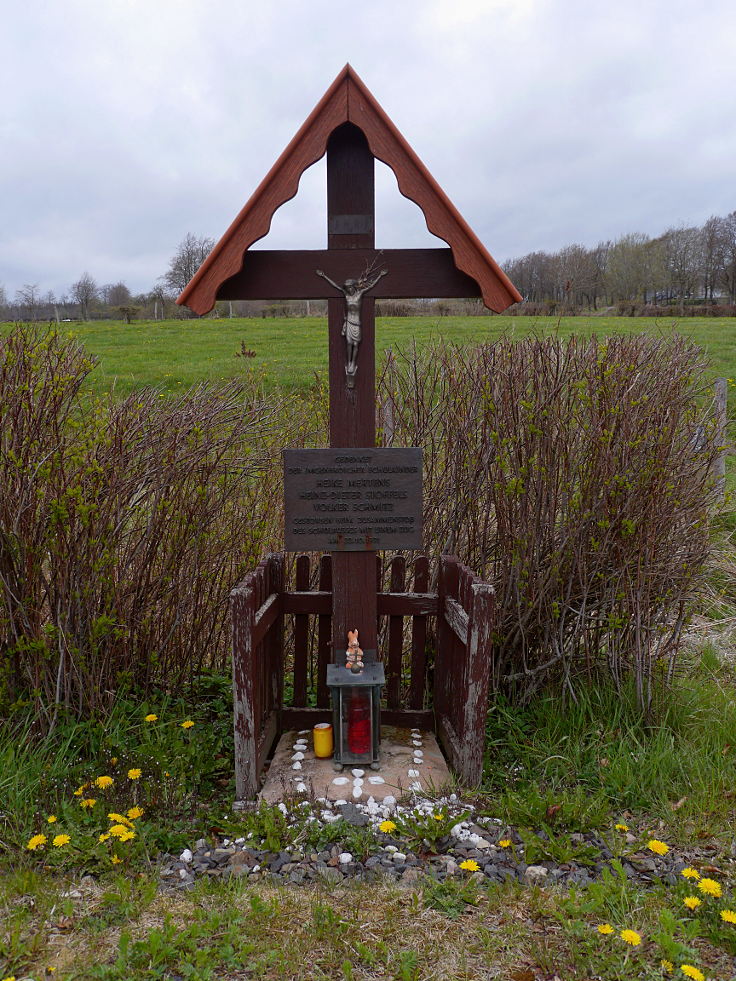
352 129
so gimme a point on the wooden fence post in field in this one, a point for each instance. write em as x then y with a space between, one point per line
242 611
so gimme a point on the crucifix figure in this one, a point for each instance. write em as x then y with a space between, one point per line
353 291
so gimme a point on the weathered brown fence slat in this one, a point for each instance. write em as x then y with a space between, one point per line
324 633
419 635
301 635
395 636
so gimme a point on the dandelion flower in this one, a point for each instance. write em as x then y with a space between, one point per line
51 819
103 782
631 937
134 774
658 847
387 826
113 761
728 916
128 836
504 843
604 928
667 966
470 865
88 802
118 830
37 841
692 902
12 978
151 717
439 817
115 860
692 972
80 790
690 873
622 827
710 887
60 840
135 812
103 837
187 724
119 819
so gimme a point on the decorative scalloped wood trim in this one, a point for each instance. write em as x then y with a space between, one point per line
348 100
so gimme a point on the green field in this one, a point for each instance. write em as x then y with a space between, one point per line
174 354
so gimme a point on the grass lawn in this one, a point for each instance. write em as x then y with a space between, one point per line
174 354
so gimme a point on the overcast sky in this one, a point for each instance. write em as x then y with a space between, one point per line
126 124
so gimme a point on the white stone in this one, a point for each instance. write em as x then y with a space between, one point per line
186 856
256 868
296 766
240 841
330 818
376 780
298 756
301 788
345 858
357 792
399 857
358 782
535 874
358 773
416 742
282 807
418 752
340 802
416 785
389 800
412 773
340 781
390 848
182 874
417 760
303 732
415 732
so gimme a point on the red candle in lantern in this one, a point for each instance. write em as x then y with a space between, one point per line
359 723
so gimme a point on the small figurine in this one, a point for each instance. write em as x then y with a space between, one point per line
354 655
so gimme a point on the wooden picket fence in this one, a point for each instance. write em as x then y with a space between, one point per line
446 693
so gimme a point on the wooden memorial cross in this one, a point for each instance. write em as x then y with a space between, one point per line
349 126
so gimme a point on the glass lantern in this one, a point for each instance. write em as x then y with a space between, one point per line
356 712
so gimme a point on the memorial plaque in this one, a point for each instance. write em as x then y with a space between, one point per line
352 500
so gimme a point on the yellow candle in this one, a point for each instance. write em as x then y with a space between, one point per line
323 743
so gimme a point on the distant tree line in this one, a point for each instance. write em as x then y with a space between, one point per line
688 269
684 268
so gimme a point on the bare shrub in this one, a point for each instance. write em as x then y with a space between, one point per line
577 478
123 525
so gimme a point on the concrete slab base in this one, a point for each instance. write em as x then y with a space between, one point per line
410 760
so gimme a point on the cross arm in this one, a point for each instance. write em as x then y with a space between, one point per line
291 275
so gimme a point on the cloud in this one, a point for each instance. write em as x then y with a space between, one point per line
546 121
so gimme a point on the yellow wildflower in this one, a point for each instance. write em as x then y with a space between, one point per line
622 827
470 865
134 774
690 873
387 826
135 812
51 819
631 937
658 847
80 790
692 902
115 860
692 972
88 802
710 887
103 782
151 718
667 966
103 837
504 843
187 724
439 817
604 928
11 978
128 836
37 841
118 830
113 761
115 818
728 916
60 840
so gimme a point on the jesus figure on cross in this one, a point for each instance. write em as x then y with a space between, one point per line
353 291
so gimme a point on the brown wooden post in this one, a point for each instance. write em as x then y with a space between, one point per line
395 637
301 635
419 638
245 677
350 221
474 689
276 639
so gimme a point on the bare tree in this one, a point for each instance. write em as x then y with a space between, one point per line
189 256
28 299
683 256
728 270
84 292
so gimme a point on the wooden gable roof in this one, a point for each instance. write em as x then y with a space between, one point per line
348 100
